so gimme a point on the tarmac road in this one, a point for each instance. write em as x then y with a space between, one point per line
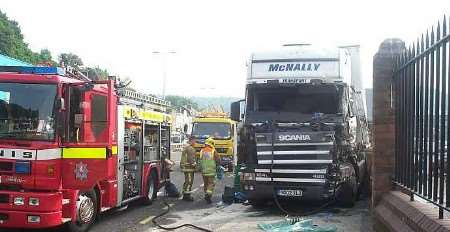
217 216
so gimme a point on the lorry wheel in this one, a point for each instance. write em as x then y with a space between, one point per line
257 203
151 189
363 188
86 212
347 193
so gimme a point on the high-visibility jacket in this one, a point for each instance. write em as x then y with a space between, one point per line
208 161
187 161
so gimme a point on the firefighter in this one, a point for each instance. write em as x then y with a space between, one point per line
209 159
188 164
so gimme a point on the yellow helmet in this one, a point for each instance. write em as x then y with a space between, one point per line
210 142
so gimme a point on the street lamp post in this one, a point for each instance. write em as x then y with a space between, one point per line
164 71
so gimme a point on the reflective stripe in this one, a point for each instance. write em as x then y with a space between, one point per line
298 171
295 161
294 144
84 153
48 154
114 150
303 180
297 180
293 152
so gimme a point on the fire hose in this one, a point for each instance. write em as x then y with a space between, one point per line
176 227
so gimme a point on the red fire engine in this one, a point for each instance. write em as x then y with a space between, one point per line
71 148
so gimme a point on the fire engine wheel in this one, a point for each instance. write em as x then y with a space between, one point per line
86 212
152 189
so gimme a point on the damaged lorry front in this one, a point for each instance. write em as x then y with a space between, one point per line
304 131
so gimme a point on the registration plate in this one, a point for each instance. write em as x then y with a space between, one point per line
290 193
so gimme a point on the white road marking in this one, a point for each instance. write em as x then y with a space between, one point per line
146 220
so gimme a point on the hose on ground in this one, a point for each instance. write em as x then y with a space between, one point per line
176 227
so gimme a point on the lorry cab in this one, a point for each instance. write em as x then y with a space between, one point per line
222 130
304 126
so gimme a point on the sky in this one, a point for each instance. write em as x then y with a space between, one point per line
205 44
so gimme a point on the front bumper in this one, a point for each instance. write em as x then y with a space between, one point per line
265 190
19 219
47 214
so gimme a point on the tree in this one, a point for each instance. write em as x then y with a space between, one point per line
45 58
96 73
179 101
70 59
11 41
12 44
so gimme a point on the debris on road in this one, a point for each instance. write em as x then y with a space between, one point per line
296 225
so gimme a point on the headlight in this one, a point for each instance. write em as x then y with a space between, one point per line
34 219
249 176
33 201
19 201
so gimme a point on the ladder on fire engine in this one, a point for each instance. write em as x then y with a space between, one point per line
143 100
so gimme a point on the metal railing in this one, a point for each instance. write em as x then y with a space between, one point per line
420 92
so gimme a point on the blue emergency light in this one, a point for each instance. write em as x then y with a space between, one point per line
34 70
23 167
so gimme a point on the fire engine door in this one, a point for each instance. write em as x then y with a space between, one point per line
165 153
88 135
131 164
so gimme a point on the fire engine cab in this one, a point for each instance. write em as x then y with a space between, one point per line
71 148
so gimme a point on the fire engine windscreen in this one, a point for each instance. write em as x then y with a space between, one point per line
211 129
27 111
303 99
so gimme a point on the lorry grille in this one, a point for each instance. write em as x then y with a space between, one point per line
293 161
221 149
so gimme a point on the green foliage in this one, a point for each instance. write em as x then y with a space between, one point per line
13 45
205 102
70 59
96 73
179 101
202 103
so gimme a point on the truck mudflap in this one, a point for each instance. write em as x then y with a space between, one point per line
31 209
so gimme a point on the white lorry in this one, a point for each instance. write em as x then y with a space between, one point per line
304 130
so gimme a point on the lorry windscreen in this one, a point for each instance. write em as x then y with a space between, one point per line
27 111
303 99
216 130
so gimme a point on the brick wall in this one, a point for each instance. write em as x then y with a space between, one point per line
382 160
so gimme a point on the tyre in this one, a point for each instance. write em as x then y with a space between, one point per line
347 193
87 210
257 203
363 188
152 189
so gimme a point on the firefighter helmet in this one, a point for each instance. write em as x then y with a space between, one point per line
209 141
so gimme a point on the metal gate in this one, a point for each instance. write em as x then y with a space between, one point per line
420 92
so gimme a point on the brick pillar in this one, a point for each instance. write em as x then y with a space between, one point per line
382 159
